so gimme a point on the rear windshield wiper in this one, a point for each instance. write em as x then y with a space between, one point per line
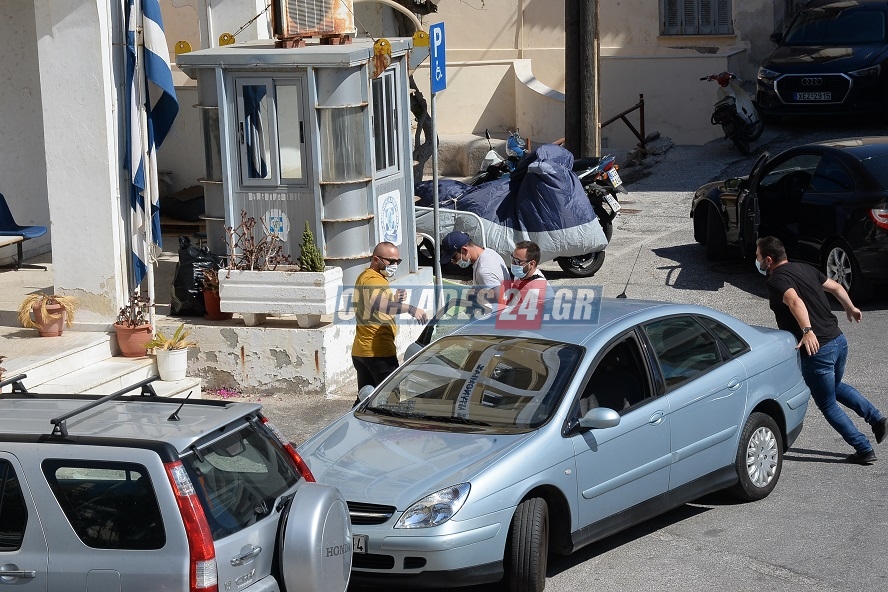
452 419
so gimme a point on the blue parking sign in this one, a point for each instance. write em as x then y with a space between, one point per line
438 59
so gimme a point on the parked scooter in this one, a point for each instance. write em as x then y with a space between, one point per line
601 181
494 166
736 112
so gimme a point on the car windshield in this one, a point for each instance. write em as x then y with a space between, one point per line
878 168
828 26
510 383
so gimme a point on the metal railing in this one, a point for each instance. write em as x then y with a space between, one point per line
642 139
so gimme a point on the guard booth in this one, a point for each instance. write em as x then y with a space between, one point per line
319 133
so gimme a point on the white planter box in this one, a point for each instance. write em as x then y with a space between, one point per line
306 294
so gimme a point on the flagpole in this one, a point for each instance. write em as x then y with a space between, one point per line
147 195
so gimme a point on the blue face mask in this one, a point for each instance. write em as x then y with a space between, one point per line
464 263
518 271
758 266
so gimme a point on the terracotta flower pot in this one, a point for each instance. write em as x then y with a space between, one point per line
48 326
214 311
132 340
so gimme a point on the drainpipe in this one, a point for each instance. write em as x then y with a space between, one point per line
399 8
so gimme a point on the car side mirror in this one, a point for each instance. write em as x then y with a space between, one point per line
776 37
600 418
412 349
365 392
734 183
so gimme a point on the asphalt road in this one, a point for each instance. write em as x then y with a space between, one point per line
824 526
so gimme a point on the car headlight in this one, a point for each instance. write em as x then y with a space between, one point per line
767 76
436 508
871 72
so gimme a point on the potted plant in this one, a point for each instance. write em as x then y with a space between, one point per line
308 289
211 297
132 326
172 353
49 314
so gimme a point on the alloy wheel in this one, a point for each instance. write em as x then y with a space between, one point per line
761 457
838 267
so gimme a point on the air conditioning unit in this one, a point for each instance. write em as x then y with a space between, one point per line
292 19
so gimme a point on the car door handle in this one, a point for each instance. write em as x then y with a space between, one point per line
656 418
7 574
734 384
245 556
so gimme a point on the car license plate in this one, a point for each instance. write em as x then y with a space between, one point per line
614 204
614 177
359 543
813 96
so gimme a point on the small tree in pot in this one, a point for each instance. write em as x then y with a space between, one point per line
132 326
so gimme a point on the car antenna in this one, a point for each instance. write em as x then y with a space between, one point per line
623 293
175 415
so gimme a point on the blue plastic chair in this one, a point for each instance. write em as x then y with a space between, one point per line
9 227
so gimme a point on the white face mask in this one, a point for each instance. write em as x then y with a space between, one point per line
758 266
518 271
464 263
391 270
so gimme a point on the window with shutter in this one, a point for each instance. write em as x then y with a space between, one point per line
696 17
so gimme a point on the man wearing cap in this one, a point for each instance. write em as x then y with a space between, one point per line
489 270
374 355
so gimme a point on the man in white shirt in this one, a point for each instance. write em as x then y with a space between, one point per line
489 270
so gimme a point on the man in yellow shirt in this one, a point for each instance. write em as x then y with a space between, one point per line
373 352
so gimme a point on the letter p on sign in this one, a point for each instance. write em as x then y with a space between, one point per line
438 65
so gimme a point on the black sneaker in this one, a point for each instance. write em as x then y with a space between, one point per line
879 429
862 458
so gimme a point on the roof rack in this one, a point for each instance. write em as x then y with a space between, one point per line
61 428
16 382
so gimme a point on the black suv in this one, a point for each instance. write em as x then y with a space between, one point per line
832 59
144 493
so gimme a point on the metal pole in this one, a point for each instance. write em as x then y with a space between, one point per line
435 219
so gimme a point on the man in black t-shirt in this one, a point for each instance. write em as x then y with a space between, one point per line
797 294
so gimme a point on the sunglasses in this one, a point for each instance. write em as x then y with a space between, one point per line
390 261
520 262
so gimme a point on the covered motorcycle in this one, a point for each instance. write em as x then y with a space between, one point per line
542 201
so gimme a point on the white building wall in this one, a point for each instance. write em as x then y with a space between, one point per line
80 109
22 164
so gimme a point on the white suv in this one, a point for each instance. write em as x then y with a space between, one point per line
144 493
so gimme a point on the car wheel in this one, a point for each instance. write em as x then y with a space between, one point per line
528 549
759 458
841 265
716 238
700 216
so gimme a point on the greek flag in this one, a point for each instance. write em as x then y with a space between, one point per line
151 111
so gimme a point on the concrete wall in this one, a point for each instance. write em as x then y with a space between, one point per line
82 177
23 165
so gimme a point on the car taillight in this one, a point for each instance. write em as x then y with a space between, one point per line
201 551
880 217
291 450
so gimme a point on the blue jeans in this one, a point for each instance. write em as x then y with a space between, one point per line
823 374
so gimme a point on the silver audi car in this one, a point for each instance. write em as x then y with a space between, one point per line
515 437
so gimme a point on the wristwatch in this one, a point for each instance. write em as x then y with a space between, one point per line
806 330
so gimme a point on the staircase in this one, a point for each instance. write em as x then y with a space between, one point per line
83 362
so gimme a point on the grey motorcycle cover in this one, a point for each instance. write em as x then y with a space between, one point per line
542 201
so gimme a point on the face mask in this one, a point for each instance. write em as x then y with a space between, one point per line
518 271
391 270
464 263
758 266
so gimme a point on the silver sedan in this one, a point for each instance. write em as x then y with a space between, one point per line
543 429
